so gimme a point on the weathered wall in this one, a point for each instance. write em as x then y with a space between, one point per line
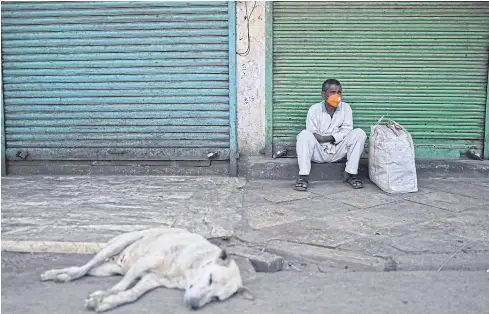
251 78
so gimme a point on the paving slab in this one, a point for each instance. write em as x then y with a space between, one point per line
247 270
428 242
331 215
365 223
373 245
473 261
326 256
474 188
261 183
308 231
326 188
319 207
412 244
415 252
272 214
363 198
77 208
251 198
472 224
443 236
263 262
280 195
481 183
407 212
264 216
448 201
276 192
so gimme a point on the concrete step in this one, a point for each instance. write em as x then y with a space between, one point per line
258 168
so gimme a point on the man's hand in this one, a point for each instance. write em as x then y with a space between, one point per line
324 138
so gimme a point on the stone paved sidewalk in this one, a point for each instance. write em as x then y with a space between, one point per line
329 228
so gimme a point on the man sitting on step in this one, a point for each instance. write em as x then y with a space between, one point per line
329 136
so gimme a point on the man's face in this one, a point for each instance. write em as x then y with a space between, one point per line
332 90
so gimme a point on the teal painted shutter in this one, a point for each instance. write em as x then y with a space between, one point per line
116 80
423 64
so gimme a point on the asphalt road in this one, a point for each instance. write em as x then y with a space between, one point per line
284 292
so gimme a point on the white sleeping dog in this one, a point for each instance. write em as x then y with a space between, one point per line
160 257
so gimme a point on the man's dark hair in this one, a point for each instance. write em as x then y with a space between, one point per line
329 82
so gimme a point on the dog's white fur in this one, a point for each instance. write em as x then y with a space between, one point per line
160 257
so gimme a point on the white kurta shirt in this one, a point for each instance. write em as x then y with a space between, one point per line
319 121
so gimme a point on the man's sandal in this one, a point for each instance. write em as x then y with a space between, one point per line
353 182
301 184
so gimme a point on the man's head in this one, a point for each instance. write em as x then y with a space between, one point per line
217 281
330 87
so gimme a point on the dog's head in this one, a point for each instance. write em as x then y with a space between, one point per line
217 281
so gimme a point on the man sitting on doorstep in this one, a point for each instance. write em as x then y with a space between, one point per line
329 136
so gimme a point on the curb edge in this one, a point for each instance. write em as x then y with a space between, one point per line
52 247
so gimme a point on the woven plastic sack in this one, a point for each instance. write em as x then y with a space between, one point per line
391 161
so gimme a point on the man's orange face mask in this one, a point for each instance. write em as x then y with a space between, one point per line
334 100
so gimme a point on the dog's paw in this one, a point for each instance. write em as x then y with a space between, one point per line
48 275
92 301
107 303
63 277
103 307
99 294
99 301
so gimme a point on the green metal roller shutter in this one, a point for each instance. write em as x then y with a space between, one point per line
423 64
116 80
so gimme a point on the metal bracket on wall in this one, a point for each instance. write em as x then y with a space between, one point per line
280 153
212 155
22 155
473 154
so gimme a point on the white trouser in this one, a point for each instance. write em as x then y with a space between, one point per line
308 149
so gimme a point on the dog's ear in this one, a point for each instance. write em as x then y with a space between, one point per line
245 293
224 255
223 258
